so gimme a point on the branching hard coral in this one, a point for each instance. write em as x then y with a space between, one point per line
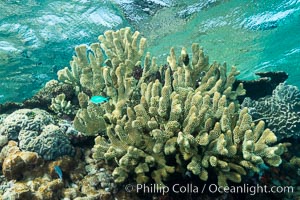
60 106
281 111
90 120
113 77
198 124
199 62
161 120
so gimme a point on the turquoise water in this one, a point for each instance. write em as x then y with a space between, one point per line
232 31
106 141
253 35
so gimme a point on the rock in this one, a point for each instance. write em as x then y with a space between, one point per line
263 86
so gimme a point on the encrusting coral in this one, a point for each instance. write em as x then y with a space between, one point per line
162 120
16 162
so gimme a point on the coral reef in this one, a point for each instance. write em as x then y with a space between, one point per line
10 107
91 75
281 111
42 189
3 140
192 115
44 97
198 127
156 121
287 176
36 179
90 120
263 86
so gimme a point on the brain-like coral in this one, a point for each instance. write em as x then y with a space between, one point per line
50 142
281 111
24 119
36 132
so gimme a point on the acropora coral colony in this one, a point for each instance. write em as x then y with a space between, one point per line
160 120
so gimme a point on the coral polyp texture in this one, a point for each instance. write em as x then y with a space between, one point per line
281 111
179 117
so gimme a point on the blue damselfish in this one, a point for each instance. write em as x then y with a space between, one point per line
58 171
99 99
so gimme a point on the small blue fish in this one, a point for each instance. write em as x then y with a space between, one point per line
99 99
58 171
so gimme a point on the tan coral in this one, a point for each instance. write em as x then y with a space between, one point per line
66 164
16 162
90 120
113 78
295 161
19 191
50 190
60 106
202 125
187 110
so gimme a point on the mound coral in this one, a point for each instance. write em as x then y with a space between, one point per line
24 119
281 111
49 142
162 120
36 132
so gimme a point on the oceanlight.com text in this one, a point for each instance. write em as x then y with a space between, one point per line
207 188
